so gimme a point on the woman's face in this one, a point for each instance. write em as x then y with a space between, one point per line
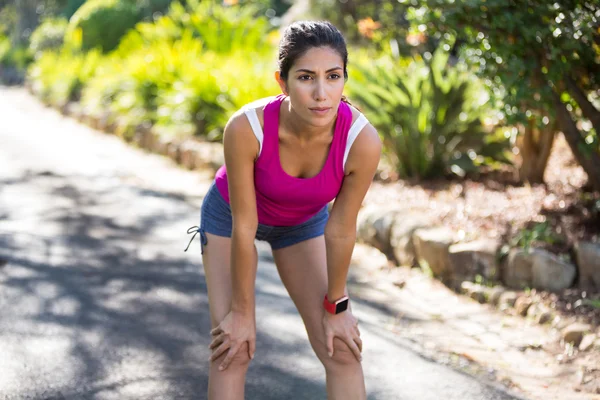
315 85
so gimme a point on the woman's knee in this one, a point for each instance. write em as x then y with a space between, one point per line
240 360
342 354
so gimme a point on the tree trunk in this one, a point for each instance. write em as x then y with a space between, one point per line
588 159
587 108
535 150
27 21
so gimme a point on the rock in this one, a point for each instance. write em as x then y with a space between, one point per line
478 294
588 263
401 233
494 294
516 273
551 273
474 291
539 313
544 316
469 259
507 300
522 305
537 269
574 333
375 225
431 250
587 342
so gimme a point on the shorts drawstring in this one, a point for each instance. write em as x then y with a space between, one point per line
203 240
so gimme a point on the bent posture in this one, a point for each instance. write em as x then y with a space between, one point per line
286 158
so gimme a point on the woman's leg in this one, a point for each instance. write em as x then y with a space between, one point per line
228 384
303 270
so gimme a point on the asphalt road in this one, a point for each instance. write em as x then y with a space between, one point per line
99 301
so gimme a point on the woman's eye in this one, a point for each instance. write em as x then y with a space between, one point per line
335 76
304 77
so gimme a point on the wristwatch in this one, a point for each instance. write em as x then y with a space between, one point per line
336 307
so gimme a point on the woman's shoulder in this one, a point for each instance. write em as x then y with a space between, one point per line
257 105
355 112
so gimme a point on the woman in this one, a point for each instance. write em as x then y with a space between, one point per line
286 158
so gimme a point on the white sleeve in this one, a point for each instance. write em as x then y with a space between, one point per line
355 129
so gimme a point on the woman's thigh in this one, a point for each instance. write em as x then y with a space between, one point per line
216 259
303 271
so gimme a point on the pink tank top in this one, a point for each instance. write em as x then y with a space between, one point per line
284 200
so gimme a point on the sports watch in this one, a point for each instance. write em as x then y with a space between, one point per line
336 307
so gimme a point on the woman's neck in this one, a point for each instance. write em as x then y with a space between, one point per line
298 127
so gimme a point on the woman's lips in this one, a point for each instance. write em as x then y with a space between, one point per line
320 110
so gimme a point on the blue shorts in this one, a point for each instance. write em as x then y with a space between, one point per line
215 218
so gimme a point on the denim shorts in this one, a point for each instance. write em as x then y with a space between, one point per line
215 218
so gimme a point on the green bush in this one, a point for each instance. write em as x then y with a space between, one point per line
48 35
101 24
429 115
50 82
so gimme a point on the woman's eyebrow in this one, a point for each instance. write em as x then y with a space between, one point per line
312 72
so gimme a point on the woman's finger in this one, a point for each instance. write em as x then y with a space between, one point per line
230 354
220 350
217 341
251 348
359 343
216 331
350 342
329 340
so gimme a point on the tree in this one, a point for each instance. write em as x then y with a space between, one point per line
542 58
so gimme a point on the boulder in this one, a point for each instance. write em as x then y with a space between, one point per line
537 269
588 263
401 235
469 259
374 227
550 272
517 273
431 250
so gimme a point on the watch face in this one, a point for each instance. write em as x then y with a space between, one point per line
341 306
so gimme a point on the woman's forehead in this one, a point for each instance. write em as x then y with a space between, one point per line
319 58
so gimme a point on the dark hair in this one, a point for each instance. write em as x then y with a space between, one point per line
301 36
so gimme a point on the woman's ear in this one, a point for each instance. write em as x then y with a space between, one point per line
281 83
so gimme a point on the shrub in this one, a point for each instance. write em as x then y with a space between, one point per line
101 24
48 35
50 82
429 115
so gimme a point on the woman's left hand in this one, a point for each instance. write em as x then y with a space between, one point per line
345 327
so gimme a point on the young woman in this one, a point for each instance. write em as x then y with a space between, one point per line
286 158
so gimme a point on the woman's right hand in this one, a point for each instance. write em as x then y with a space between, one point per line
235 329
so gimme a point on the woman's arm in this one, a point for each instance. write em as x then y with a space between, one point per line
340 232
241 150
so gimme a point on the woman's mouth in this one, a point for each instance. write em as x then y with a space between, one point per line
320 110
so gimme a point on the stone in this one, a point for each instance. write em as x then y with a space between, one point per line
401 236
494 294
516 273
574 333
544 316
431 250
550 272
588 263
587 342
469 259
375 225
478 294
522 305
507 300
